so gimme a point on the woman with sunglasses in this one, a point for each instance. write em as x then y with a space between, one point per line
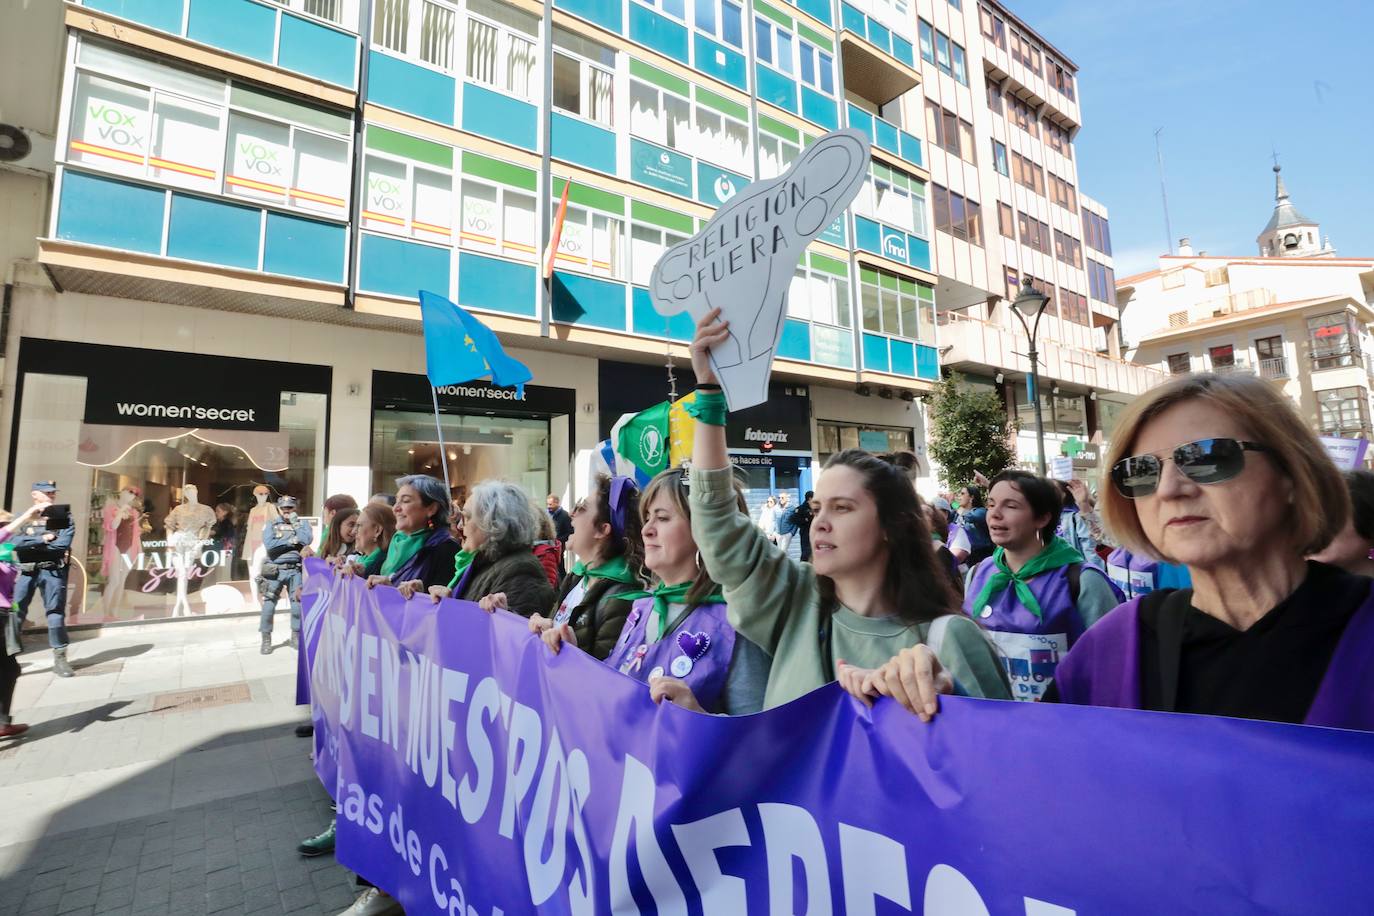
871 610
1221 474
1036 594
678 637
591 607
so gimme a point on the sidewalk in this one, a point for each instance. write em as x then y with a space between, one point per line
163 779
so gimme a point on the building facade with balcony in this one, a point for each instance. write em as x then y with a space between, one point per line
212 278
1000 108
1297 314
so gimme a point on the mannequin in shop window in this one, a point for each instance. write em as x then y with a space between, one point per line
122 546
259 515
188 529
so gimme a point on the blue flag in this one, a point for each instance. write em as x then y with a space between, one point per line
459 348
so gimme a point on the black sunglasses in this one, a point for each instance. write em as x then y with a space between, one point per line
1203 461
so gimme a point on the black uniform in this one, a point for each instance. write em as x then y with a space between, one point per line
43 568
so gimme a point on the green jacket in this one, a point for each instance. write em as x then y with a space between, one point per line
775 602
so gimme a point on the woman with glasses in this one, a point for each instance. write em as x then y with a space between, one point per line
1036 594
1220 473
591 607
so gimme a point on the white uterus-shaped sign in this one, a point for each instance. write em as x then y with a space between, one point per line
743 260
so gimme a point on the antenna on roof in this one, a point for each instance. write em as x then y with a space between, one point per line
1163 194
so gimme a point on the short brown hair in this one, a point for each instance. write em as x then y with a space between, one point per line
1270 419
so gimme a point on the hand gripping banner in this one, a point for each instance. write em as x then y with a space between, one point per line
478 774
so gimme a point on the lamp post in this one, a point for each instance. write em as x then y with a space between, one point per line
1031 304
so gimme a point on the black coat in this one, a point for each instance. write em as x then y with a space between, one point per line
600 615
518 573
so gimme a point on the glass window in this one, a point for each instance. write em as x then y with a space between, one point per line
960 68
869 301
647 244
1332 341
775 154
517 224
386 206
481 218
1180 363
433 212
1006 221
926 37
321 169
259 159
436 34
999 158
942 58
567 83
110 125
185 142
391 24
479 448
660 116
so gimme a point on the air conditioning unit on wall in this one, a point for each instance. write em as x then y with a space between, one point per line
25 150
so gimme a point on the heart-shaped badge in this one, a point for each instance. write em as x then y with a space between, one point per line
693 645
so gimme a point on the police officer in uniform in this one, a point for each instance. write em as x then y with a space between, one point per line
283 537
44 557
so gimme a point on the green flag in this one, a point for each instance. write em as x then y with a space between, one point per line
642 438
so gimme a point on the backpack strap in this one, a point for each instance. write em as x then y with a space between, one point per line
1074 571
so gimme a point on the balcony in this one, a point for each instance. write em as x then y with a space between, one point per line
881 65
886 136
975 342
1274 368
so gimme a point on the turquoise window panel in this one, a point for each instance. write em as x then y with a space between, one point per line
917 252
660 168
648 321
862 120
879 35
495 285
214 232
832 346
903 357
653 30
300 247
887 136
239 26
795 342
775 88
605 13
875 353
588 301
116 214
716 186
820 109
927 362
159 14
316 50
834 233
398 267
575 140
820 9
852 19
868 235
910 148
407 87
717 60
500 117
902 50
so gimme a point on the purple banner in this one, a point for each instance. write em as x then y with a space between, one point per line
476 773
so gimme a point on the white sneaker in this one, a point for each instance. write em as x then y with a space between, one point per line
374 902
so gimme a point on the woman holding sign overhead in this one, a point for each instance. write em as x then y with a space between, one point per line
1221 474
872 597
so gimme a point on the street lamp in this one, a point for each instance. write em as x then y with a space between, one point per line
1031 304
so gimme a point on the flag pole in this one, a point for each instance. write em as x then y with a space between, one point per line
443 449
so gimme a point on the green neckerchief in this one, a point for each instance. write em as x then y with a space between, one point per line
461 562
370 558
403 547
6 552
665 595
1056 553
615 569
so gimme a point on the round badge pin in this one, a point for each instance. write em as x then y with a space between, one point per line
987 611
657 672
682 666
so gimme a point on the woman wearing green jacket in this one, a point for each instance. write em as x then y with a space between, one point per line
872 598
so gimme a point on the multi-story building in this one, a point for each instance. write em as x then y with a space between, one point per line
1296 314
219 214
1000 109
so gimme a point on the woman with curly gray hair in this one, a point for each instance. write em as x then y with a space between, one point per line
422 550
499 531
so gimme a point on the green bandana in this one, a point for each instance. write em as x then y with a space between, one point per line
403 547
665 595
1056 554
6 552
615 569
461 562
370 558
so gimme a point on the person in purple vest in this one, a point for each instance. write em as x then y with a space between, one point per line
1036 594
1221 474
1353 549
678 637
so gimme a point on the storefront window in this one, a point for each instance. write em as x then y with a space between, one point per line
477 448
836 437
167 522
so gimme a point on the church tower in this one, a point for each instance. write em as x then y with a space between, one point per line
1289 234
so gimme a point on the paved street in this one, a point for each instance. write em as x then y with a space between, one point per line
163 778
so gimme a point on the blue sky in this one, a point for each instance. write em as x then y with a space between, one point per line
1229 81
